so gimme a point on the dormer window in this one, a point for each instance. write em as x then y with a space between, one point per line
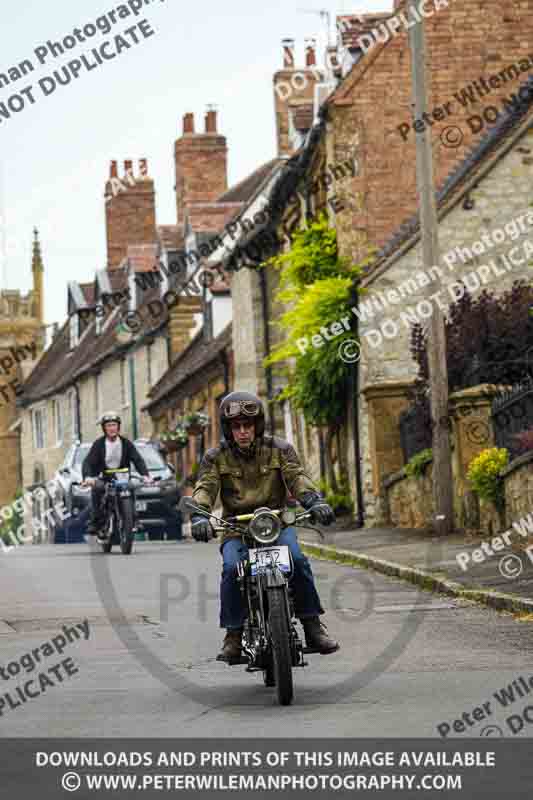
74 326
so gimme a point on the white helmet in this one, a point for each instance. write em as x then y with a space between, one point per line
110 416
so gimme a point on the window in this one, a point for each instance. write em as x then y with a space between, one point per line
123 383
58 420
39 425
38 474
74 325
97 397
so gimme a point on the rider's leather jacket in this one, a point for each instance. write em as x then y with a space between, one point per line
265 476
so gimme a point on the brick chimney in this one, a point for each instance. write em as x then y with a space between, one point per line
293 87
201 164
130 210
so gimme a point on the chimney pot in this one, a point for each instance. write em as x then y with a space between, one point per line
113 172
188 123
128 167
211 120
332 58
288 53
143 167
310 52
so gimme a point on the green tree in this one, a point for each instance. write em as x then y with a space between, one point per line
320 288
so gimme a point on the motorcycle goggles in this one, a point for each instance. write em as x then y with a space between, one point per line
239 408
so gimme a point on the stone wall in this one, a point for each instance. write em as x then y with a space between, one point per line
518 477
410 499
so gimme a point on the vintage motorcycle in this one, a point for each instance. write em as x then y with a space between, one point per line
271 643
118 510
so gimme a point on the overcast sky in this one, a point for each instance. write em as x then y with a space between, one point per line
54 154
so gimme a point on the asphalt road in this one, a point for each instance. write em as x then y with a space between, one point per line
409 660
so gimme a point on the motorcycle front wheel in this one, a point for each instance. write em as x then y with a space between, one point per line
281 649
110 528
127 526
268 673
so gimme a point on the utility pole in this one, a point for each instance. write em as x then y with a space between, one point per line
438 371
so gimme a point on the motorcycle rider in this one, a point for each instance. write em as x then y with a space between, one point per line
252 470
110 451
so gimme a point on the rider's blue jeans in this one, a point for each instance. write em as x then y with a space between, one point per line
232 607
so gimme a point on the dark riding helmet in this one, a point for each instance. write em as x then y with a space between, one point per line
241 406
109 416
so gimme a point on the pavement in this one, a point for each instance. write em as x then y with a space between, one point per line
501 579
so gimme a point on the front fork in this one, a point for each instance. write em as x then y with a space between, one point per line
256 640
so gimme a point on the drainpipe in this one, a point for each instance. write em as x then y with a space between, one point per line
354 391
225 367
266 338
321 453
134 426
78 412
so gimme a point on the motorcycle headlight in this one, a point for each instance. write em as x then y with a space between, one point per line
265 526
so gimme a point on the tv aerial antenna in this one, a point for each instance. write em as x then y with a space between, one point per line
325 16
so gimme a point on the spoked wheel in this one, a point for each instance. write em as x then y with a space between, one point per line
281 650
127 524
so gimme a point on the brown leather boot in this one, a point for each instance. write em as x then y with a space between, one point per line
231 648
316 636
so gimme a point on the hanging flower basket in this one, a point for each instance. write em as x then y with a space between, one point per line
176 438
196 423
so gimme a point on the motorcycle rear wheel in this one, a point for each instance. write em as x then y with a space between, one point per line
281 650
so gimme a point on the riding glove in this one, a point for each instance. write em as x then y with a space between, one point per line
201 528
321 511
